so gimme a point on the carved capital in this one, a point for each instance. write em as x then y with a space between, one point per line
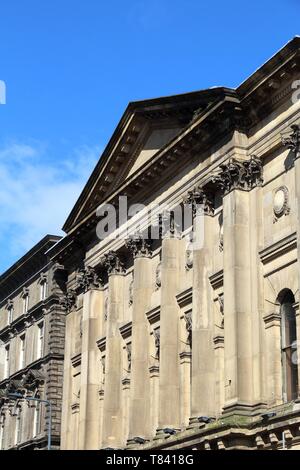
139 246
87 279
113 264
292 141
202 201
68 300
239 174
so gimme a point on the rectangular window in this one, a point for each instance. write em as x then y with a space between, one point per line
43 290
22 352
36 420
6 362
40 342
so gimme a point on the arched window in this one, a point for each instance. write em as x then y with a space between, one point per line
288 345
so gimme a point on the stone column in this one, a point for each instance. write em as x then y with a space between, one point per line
236 179
139 414
203 357
172 262
292 142
89 377
112 406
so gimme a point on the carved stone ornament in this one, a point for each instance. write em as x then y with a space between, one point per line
189 326
221 238
158 277
25 292
221 306
130 301
42 278
87 279
113 264
281 202
106 309
169 226
156 334
239 174
189 257
68 300
128 351
292 142
9 305
139 246
202 201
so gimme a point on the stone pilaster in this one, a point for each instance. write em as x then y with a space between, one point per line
139 415
172 261
112 406
236 179
292 142
89 385
203 361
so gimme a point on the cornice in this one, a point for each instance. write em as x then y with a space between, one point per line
153 315
76 360
216 279
277 249
132 122
185 297
35 365
30 264
126 330
101 344
35 313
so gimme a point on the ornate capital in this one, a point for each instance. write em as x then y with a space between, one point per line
292 142
87 279
239 174
68 301
200 200
113 264
139 246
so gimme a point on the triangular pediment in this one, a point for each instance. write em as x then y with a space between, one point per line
145 128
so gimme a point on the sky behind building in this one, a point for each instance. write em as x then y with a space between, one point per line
70 69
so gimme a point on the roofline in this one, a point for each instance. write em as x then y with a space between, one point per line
286 51
42 246
130 109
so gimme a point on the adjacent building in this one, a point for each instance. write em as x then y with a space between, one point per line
31 350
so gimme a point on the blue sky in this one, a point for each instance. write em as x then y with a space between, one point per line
71 67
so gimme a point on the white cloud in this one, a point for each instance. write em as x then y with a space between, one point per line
37 193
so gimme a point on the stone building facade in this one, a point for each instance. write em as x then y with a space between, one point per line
31 350
189 340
